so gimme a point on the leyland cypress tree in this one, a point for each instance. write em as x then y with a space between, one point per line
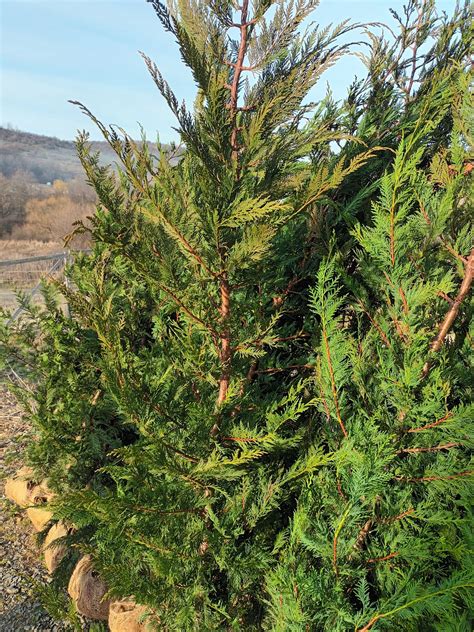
385 527
256 417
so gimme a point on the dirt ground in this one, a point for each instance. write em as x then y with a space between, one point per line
24 276
20 557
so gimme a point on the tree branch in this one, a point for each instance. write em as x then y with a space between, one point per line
425 479
391 519
453 310
225 353
434 448
189 312
431 425
226 350
333 384
373 560
238 68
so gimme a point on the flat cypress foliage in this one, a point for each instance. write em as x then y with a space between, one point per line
257 417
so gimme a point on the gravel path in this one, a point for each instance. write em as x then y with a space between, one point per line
20 561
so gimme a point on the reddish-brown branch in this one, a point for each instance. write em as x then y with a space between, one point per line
425 479
367 627
333 385
248 379
242 108
434 448
414 58
452 252
334 556
251 372
382 559
240 439
250 22
280 298
225 351
189 312
423 210
180 453
445 297
438 422
398 517
363 533
398 326
238 68
185 243
375 324
339 490
225 347
453 310
236 65
326 407
404 300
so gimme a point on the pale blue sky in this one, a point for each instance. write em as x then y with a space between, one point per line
52 51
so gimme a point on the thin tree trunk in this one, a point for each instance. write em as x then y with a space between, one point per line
226 351
453 310
225 307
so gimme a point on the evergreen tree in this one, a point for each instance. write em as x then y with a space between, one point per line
385 528
257 416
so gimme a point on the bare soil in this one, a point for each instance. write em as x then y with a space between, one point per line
20 557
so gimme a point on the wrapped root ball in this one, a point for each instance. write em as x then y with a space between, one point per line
126 616
39 514
19 488
87 590
54 553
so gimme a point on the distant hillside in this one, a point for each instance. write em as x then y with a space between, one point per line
42 185
44 158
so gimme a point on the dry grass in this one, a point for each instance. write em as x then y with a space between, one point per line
24 276
20 248
52 217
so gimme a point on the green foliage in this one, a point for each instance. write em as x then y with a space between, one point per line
59 606
246 419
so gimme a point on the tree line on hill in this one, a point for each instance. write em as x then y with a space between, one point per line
43 190
42 187
42 212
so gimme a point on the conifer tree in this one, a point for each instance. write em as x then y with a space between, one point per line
256 417
391 510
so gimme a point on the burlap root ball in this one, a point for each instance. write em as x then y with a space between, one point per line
39 515
125 616
19 488
87 590
54 553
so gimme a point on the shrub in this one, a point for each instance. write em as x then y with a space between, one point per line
14 194
257 416
52 218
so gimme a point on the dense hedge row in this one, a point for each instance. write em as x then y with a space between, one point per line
257 417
